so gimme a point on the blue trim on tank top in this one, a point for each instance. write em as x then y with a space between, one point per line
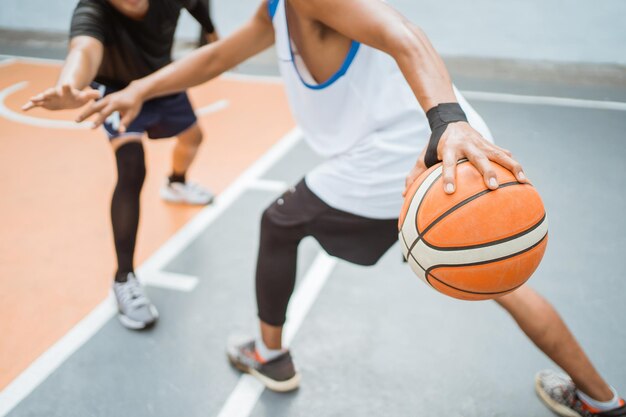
354 47
272 5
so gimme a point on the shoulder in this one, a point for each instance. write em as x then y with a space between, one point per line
91 7
90 18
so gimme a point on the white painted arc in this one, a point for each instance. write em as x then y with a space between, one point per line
23 118
49 361
34 121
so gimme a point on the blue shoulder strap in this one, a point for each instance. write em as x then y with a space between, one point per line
272 5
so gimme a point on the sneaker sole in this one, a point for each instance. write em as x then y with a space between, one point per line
556 407
137 325
271 384
178 200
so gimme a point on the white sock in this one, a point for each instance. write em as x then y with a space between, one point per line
266 353
600 405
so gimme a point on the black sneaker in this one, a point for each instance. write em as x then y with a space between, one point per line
558 392
278 374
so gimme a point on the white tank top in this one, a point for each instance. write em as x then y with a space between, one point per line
365 120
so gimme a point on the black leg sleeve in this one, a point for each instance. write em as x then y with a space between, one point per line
276 267
131 172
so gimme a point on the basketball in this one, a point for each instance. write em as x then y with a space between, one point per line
476 243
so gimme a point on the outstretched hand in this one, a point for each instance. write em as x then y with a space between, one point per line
127 102
461 141
61 98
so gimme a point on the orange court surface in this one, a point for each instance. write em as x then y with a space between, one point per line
56 247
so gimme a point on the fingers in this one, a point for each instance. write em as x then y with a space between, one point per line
482 163
410 179
28 105
449 171
38 100
509 163
91 94
51 92
417 170
102 116
128 117
91 109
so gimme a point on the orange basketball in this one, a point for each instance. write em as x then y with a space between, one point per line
475 244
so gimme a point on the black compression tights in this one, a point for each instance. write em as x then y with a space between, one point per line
276 268
131 171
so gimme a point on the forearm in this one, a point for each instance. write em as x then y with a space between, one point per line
79 69
196 68
422 67
205 63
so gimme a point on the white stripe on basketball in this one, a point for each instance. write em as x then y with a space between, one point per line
429 257
410 229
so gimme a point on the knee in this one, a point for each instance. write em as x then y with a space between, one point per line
192 138
269 228
277 228
131 166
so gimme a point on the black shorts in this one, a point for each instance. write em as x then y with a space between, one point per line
356 239
162 117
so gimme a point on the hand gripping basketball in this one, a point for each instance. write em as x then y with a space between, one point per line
477 243
454 139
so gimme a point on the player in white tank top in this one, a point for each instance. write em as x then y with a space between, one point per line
366 121
370 132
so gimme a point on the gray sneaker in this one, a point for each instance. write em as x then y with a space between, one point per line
558 392
135 309
278 375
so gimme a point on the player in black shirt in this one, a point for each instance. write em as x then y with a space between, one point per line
113 42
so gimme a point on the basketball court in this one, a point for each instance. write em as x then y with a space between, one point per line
368 341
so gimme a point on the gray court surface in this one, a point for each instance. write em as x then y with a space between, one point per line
377 341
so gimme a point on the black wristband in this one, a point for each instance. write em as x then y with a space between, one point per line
439 117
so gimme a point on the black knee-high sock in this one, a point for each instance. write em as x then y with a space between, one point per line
131 171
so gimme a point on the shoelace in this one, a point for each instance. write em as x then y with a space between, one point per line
131 292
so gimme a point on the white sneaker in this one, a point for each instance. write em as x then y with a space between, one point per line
135 309
188 192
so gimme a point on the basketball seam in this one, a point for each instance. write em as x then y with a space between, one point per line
427 271
460 162
450 211
484 245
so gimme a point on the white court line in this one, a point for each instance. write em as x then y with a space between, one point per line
45 61
244 397
268 185
47 363
472 95
192 229
544 100
7 61
236 76
169 280
213 107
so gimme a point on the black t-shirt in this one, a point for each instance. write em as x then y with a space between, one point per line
134 48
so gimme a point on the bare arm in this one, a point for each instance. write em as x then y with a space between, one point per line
374 23
80 68
82 62
378 25
196 68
